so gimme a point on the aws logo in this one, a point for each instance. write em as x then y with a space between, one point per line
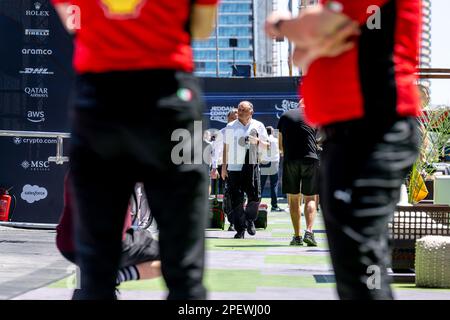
122 9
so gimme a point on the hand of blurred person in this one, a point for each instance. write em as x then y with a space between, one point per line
224 173
312 27
272 20
331 46
214 174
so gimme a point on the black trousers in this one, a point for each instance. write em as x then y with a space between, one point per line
239 183
361 174
217 185
122 128
273 178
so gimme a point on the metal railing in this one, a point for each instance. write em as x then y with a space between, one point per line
433 73
59 158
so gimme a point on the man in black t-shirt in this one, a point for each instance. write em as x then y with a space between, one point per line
297 143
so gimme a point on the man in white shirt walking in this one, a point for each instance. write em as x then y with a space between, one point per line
244 139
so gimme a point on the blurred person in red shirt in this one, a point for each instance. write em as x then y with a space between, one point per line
360 59
135 87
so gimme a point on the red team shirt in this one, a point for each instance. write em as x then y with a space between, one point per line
377 78
134 34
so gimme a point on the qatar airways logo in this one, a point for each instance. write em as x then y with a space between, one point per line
36 92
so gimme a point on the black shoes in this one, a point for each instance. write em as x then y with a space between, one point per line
251 228
296 241
277 209
309 239
239 235
231 228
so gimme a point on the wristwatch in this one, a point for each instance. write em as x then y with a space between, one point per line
334 6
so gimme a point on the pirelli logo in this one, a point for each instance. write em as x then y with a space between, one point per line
37 32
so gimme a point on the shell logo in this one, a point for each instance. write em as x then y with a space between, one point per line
122 8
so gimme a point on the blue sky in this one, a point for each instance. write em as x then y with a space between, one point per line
440 38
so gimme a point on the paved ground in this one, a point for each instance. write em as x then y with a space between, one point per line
260 267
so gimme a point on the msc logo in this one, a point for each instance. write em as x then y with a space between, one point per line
122 9
36 71
36 165
36 116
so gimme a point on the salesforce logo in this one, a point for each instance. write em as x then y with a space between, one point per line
33 194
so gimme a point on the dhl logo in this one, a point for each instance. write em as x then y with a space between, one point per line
122 8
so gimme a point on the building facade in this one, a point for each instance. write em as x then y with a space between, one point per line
238 40
425 49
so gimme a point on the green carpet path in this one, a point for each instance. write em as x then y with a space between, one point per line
263 261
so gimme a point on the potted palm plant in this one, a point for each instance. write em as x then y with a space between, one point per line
417 220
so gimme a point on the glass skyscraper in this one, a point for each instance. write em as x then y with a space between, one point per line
238 39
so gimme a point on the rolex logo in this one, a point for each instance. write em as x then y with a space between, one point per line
37 5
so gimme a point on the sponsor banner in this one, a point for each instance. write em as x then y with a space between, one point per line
36 74
267 108
270 98
37 184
